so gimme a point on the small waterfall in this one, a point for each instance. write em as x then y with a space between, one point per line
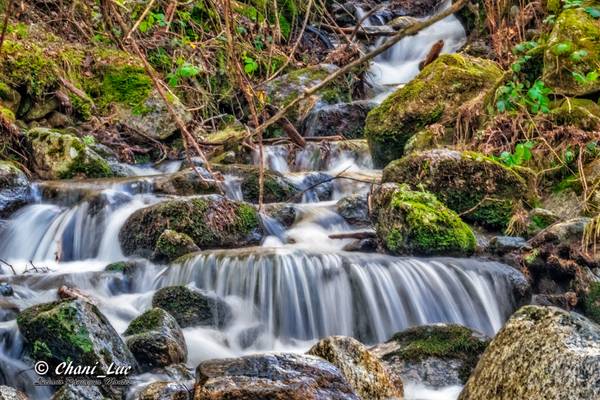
293 292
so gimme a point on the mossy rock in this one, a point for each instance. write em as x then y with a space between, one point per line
591 302
416 223
172 245
72 330
191 307
186 182
276 188
434 96
210 221
482 189
58 155
579 31
582 113
156 340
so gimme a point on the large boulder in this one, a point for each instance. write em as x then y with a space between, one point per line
426 100
156 340
541 353
276 188
15 189
344 119
58 155
354 209
482 190
211 222
433 355
363 371
192 307
73 330
271 376
416 223
575 30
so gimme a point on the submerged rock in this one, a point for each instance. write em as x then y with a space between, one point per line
59 155
416 223
482 190
426 100
271 376
433 355
192 307
211 222
363 371
541 353
344 119
578 31
172 245
156 340
73 330
15 189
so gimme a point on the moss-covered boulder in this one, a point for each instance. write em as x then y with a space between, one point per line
15 189
276 188
582 113
58 155
416 223
73 330
156 340
573 48
172 245
482 190
363 371
434 355
542 352
192 307
434 96
211 222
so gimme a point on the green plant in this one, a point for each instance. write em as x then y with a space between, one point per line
521 155
590 77
184 71
250 64
512 96
152 20
89 140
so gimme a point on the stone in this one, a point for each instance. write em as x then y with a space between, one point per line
10 393
344 119
271 376
73 330
15 188
172 245
416 223
501 245
164 391
363 371
74 392
185 183
156 340
191 307
542 352
437 355
354 209
426 100
482 190
58 155
210 221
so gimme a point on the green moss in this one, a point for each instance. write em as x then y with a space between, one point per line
582 113
148 321
441 341
172 245
434 95
120 266
128 85
591 302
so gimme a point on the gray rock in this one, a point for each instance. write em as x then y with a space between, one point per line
541 353
73 392
272 376
15 189
501 245
9 393
345 119
165 391
156 340
6 289
354 209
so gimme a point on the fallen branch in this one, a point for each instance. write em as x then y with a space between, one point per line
360 235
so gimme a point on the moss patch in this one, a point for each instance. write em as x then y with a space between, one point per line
591 302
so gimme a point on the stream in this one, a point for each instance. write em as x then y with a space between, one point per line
296 287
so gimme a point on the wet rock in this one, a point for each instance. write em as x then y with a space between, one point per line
354 209
192 307
464 181
185 183
433 355
276 188
6 289
426 100
156 340
362 245
164 391
578 30
15 189
9 393
172 245
59 155
74 392
211 222
284 213
316 186
271 376
363 371
127 267
501 245
416 223
344 119
73 330
542 352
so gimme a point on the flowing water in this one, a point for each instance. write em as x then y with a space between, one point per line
296 287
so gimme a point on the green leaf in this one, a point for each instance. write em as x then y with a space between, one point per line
562 48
